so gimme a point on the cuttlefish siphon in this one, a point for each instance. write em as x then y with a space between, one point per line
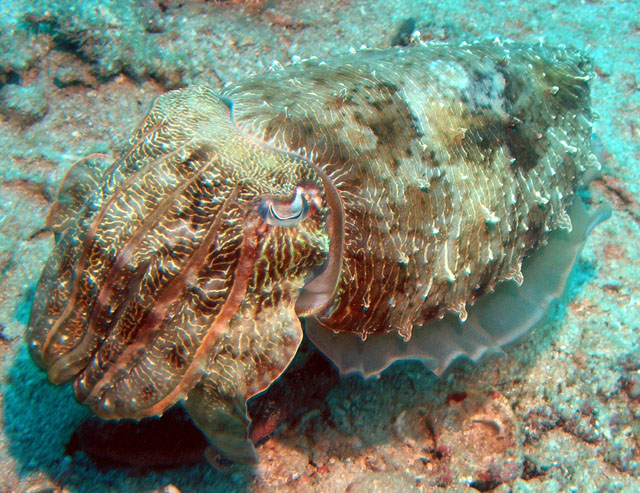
387 197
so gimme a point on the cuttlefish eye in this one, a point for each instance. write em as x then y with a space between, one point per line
285 213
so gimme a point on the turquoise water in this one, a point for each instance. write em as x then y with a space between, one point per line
77 77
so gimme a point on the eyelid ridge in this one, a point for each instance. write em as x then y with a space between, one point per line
298 210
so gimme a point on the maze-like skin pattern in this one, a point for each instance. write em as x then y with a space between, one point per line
426 174
452 166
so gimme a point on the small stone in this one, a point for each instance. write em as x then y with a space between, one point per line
634 385
25 104
74 76
168 489
382 482
410 428
43 486
245 41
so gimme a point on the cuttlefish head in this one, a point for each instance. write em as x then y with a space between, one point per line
180 272
280 211
293 213
289 247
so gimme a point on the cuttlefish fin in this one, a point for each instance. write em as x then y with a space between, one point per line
81 180
258 346
494 321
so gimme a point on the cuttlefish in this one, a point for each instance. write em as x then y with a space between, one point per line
412 202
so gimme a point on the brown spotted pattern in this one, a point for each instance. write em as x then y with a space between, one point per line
374 191
452 166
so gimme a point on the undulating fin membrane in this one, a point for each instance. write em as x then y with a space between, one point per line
82 178
496 320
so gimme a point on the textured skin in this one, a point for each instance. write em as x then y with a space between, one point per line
428 174
452 166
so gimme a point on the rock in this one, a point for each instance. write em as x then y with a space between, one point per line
25 104
67 76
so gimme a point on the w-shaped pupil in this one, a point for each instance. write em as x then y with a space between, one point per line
288 214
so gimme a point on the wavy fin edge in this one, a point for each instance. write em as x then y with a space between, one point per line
496 320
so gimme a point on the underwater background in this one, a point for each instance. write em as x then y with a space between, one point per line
559 411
